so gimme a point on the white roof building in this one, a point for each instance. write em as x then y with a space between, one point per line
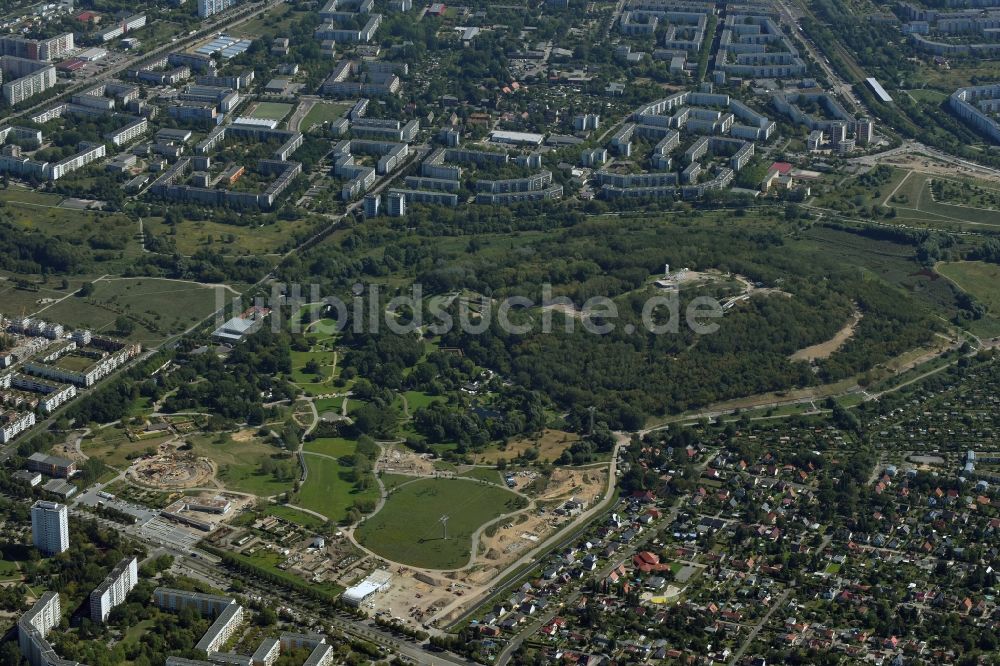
236 329
377 581
517 138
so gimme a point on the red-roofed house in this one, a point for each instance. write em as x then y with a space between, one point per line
644 496
647 557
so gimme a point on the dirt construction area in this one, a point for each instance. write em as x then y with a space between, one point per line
586 484
416 596
530 528
398 459
550 444
511 541
171 469
938 168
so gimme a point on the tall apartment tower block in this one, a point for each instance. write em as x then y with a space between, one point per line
50 527
114 589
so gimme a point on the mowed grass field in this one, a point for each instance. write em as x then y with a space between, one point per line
324 405
914 202
159 308
927 95
321 113
335 447
15 299
296 516
329 488
417 400
483 474
979 279
239 464
408 528
113 447
271 110
324 359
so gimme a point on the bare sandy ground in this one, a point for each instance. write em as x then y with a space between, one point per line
825 349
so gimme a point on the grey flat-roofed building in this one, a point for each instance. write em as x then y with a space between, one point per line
50 465
236 329
204 604
878 90
223 627
63 489
267 653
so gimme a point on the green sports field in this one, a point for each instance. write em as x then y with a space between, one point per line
322 113
408 528
271 110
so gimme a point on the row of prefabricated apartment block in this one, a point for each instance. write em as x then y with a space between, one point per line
34 626
40 385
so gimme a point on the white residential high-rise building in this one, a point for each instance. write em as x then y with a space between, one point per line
34 626
865 132
50 527
397 204
114 589
210 7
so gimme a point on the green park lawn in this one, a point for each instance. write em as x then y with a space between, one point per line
324 405
417 400
335 447
979 279
322 331
483 474
329 488
310 383
239 464
296 516
408 528
393 481
9 570
301 358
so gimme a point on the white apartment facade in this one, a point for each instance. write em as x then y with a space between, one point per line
50 527
114 589
13 423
